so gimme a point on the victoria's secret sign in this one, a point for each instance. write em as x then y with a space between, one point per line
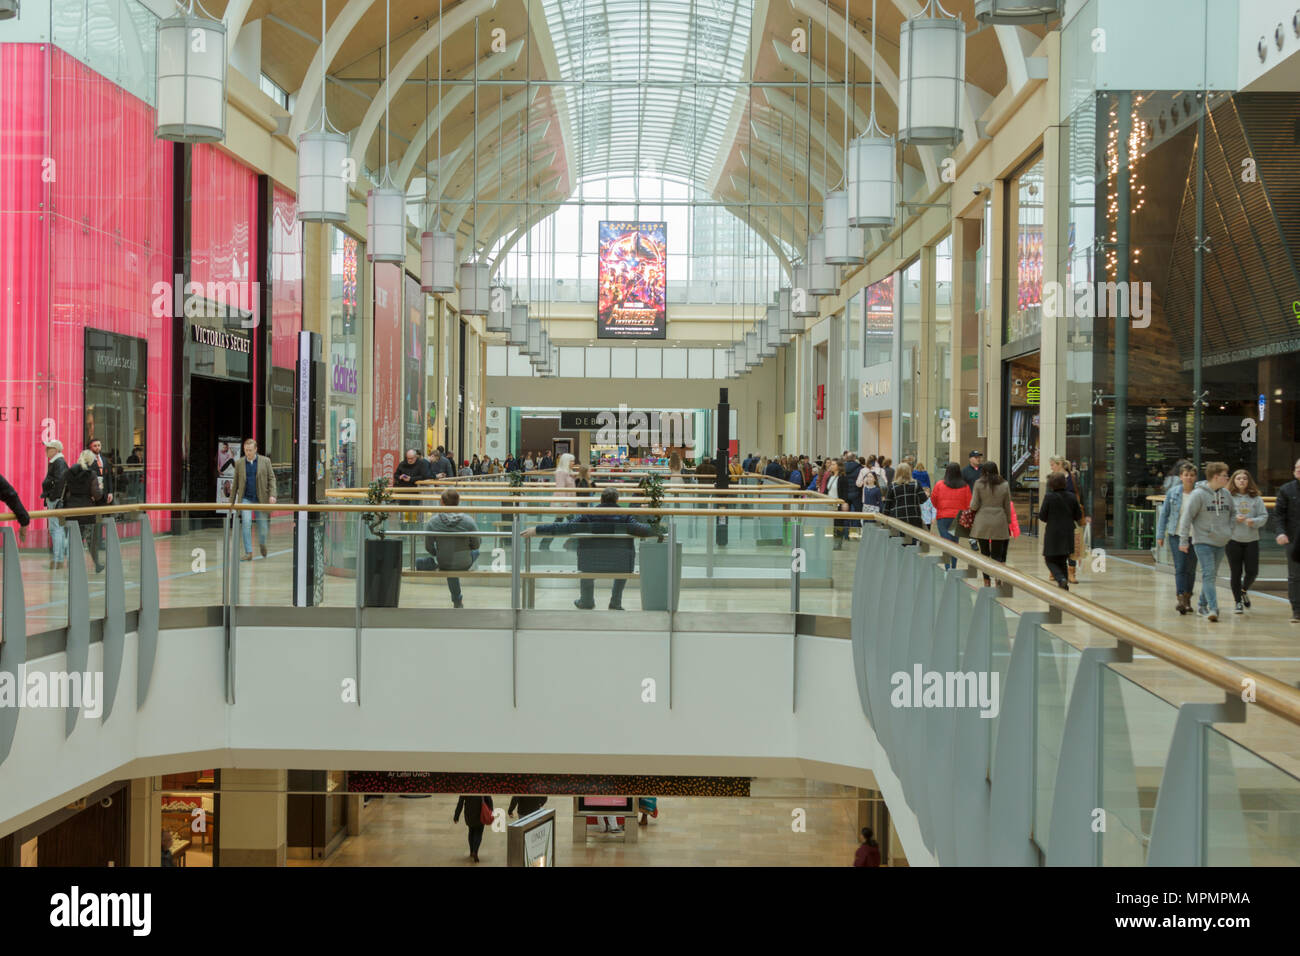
217 338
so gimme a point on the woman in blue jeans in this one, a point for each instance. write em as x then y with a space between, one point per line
950 498
1167 528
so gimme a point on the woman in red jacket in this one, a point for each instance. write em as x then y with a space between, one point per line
950 498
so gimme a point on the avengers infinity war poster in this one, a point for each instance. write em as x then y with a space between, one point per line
633 276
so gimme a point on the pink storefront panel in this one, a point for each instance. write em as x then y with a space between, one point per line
286 278
85 235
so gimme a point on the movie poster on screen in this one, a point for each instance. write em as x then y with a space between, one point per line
632 281
387 359
229 448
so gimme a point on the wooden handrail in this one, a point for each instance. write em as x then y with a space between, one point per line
561 509
1270 693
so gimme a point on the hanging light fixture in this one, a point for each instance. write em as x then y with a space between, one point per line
789 324
871 171
498 316
437 249
534 344
767 332
823 278
803 304
931 77
518 331
1018 12
322 162
845 244
385 203
474 292
191 80
8 9
437 262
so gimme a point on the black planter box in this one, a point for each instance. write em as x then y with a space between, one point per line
383 572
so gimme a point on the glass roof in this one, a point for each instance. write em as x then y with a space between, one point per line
640 109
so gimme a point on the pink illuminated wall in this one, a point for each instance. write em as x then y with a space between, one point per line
286 278
387 364
85 234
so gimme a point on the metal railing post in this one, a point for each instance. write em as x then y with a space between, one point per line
515 557
795 563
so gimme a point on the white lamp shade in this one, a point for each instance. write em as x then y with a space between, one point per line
1018 12
518 332
845 244
803 304
386 225
191 81
871 182
474 288
534 343
437 262
498 317
553 365
790 325
823 278
8 9
729 362
931 77
752 356
322 177
538 358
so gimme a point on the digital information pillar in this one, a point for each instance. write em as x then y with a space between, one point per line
309 457
723 478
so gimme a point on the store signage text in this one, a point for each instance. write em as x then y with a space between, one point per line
230 341
220 300
872 389
344 376
11 413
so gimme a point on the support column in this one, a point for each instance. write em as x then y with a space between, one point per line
923 386
144 823
1123 203
990 359
1053 370
252 819
964 383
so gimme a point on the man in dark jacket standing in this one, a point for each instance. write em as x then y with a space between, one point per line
971 473
750 463
848 486
594 555
15 504
1287 514
775 469
410 469
547 463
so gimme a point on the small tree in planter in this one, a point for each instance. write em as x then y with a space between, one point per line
383 556
655 579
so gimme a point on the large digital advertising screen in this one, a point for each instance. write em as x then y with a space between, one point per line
632 281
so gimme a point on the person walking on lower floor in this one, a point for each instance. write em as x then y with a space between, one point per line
77 491
473 808
595 555
1242 550
449 551
951 496
525 804
1167 528
52 492
1060 515
9 495
1208 518
991 504
1286 512
254 484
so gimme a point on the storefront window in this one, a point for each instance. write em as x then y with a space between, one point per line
1024 278
942 356
116 366
909 356
345 358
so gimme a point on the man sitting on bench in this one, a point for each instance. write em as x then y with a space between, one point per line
594 555
447 552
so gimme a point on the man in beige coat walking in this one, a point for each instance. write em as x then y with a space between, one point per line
254 484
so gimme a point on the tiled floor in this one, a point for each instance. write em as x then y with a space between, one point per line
690 831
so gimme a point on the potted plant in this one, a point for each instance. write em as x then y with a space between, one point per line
383 556
654 553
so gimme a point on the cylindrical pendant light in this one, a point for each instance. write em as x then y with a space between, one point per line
322 185
385 225
803 304
498 317
790 325
474 288
767 332
871 177
845 244
518 331
823 278
191 79
752 356
1019 12
543 350
534 345
729 362
8 9
931 78
438 262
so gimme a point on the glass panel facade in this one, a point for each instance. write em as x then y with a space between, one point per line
942 357
909 304
1025 210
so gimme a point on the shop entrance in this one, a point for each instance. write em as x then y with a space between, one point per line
219 409
1020 465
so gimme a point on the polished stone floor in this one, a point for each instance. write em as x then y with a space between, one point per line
690 831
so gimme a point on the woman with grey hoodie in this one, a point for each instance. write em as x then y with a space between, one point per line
1249 515
1208 519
